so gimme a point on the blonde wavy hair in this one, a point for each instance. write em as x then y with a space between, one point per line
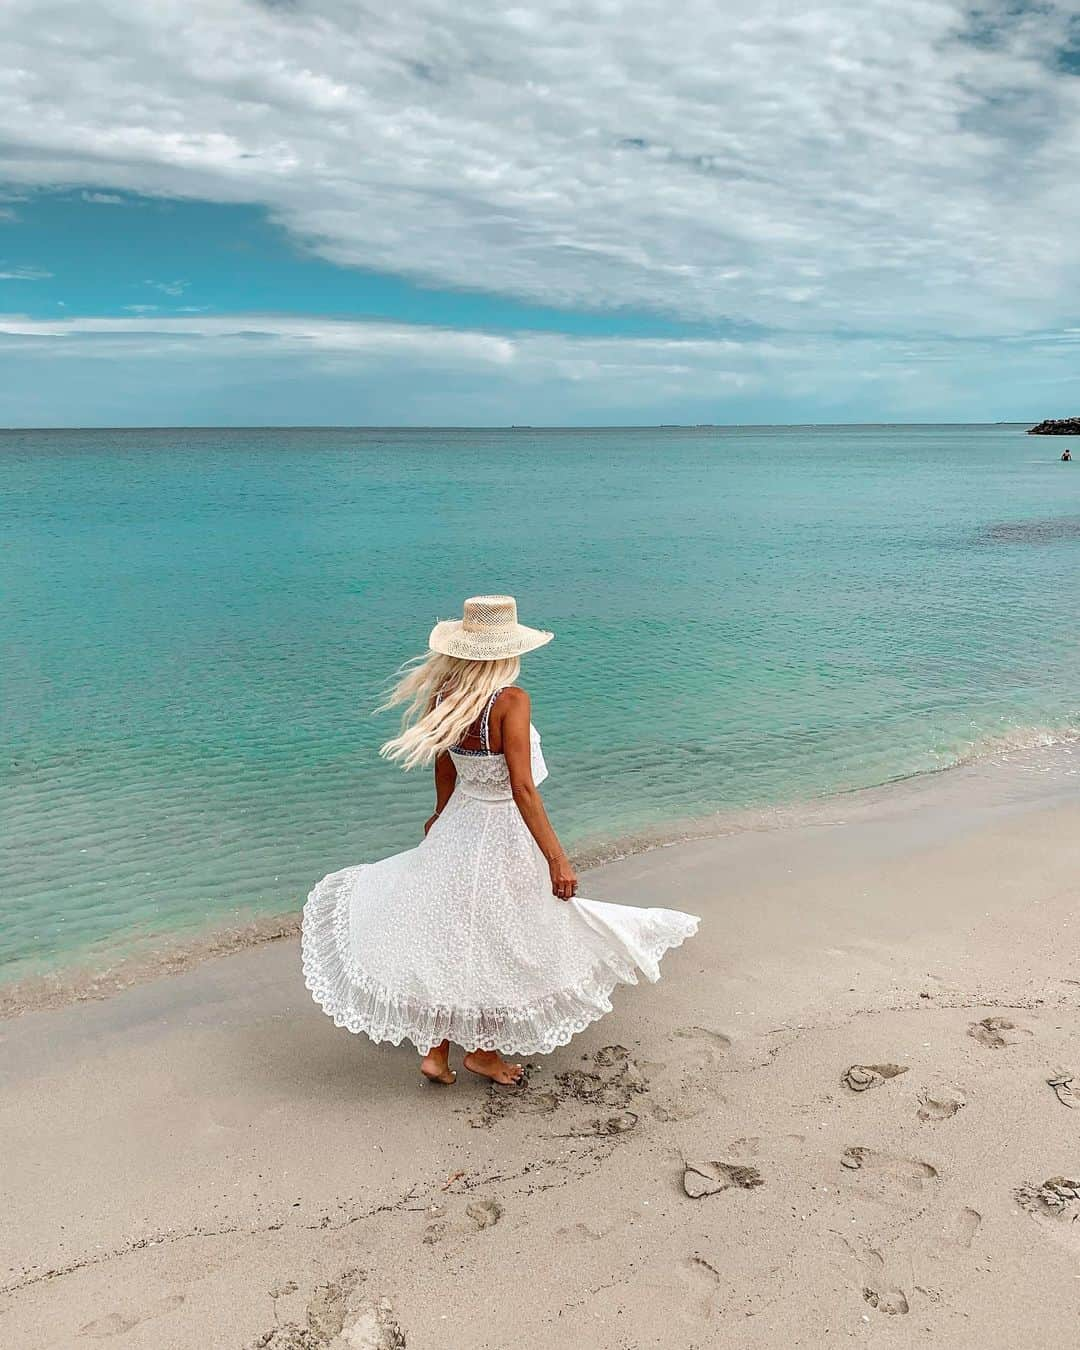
427 728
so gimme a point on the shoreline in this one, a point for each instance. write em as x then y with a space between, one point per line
207 1160
1044 752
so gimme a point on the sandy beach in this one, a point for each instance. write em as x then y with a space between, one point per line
205 1161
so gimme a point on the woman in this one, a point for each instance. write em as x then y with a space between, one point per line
459 939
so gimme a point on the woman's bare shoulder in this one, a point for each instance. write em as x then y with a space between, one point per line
514 699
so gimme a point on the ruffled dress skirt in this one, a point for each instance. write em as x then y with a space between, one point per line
461 939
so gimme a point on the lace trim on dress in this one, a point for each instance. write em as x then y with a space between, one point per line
355 1002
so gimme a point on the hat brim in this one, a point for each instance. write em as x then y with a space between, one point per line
450 638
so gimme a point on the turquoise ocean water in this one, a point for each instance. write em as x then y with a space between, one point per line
197 625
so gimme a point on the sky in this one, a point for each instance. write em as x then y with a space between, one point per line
300 212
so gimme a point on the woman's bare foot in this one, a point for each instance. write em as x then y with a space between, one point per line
435 1066
490 1064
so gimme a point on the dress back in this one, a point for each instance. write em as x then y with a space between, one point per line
483 773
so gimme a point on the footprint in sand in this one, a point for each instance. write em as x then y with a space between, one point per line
861 1077
752 1145
583 1232
610 1055
746 1146
965 1224
695 1309
610 1079
484 1213
708 1047
620 1123
874 1282
940 1103
112 1324
1056 1202
614 1081
702 1277
707 1178
339 1314
886 1299
1062 1085
908 1172
716 1039
680 1107
329 1305
117 1324
997 1032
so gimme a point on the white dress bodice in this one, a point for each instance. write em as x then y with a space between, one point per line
484 774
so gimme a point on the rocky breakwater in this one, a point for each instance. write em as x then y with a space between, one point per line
1057 426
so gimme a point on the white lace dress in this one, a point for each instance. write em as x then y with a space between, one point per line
461 938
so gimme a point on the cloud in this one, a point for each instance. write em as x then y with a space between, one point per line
873 167
257 367
169 287
104 198
235 333
25 274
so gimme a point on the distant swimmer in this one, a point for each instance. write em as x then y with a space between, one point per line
1067 456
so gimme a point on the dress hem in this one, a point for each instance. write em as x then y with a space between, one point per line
358 1004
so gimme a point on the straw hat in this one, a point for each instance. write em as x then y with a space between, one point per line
488 631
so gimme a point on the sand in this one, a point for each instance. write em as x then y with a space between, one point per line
832 1122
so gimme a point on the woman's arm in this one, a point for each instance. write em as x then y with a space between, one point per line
515 724
445 778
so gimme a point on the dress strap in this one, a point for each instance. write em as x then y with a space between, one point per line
485 718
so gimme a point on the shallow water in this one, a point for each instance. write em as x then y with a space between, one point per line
198 624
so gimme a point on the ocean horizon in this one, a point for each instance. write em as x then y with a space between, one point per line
200 622
497 426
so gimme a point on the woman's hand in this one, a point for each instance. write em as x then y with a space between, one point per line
563 878
431 821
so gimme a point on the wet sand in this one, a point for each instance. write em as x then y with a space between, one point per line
831 1122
